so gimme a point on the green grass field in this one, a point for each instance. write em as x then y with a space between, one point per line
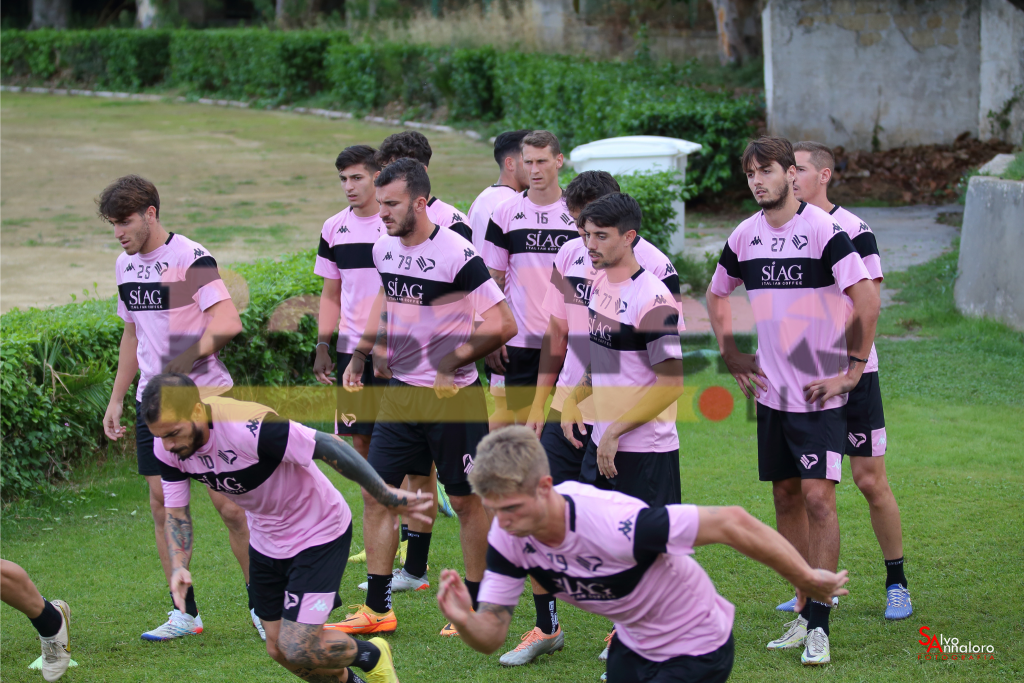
954 414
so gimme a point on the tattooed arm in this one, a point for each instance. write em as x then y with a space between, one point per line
178 531
349 464
380 347
571 414
483 629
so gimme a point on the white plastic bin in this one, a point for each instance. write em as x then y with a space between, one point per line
639 153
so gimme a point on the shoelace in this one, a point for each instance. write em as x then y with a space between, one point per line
529 638
791 628
816 642
899 597
52 650
608 638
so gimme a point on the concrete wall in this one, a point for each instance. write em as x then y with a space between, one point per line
991 281
1002 68
834 69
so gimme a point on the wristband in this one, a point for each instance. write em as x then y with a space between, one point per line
319 344
859 360
365 355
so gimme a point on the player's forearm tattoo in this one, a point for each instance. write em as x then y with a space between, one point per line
584 388
178 531
311 648
502 612
347 461
382 330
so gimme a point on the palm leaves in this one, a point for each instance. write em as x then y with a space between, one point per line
71 378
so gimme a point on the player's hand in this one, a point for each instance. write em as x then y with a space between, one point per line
323 367
352 378
181 579
606 451
822 585
571 415
112 421
496 360
183 363
824 389
535 420
444 384
380 365
409 505
453 599
744 368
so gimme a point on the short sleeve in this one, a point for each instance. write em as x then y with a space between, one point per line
496 247
659 328
503 581
867 248
176 485
325 266
123 312
202 280
727 275
671 529
554 296
846 264
285 441
479 286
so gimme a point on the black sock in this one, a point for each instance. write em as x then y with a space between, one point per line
818 617
353 677
248 591
49 622
378 592
403 535
474 589
894 573
416 554
367 655
191 608
806 611
547 616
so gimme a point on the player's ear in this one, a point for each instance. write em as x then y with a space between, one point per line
826 176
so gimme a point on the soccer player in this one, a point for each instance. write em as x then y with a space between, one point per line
865 419
177 316
301 525
512 179
523 236
414 145
796 263
433 411
615 556
51 619
636 364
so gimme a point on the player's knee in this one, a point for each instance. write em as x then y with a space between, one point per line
820 504
293 652
787 495
465 505
874 487
275 652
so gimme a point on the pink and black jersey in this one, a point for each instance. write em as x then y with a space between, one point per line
568 298
346 253
795 277
447 216
522 240
634 325
432 291
165 294
624 561
864 242
481 210
266 465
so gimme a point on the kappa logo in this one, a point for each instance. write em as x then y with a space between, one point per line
856 439
756 241
836 228
348 419
799 241
659 299
578 262
343 229
458 218
467 463
468 254
626 527
589 562
130 268
519 216
670 269
387 256
833 466
290 600
198 252
227 456
864 227
319 606
808 460
567 219
253 425
881 441
529 549
423 263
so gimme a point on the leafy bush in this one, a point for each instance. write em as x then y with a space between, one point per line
115 59
372 75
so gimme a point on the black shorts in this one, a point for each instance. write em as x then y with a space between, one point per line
800 445
445 433
651 477
357 411
865 421
626 666
564 459
521 377
303 588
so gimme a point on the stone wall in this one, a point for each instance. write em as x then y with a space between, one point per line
860 73
1002 70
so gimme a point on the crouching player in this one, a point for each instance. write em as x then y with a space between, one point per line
612 555
300 526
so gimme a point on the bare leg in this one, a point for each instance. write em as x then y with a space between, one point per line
379 536
238 528
361 442
426 484
283 650
473 527
502 416
520 416
822 523
869 475
156 506
18 591
790 514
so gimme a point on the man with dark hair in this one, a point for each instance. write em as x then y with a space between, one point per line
865 419
433 411
412 144
177 315
586 187
51 619
635 372
512 179
614 556
523 236
796 264
301 524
